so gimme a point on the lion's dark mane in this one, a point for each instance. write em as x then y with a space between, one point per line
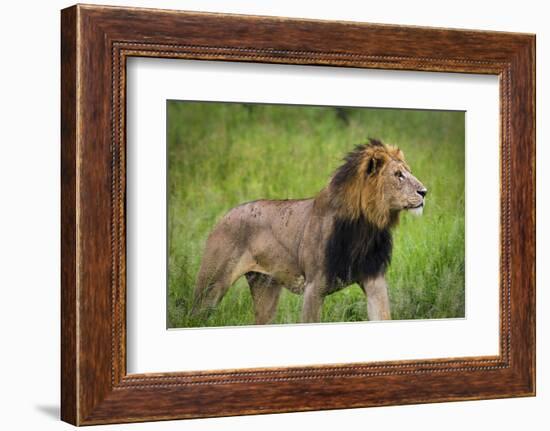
353 159
356 250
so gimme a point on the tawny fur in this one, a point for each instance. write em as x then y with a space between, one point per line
363 195
314 246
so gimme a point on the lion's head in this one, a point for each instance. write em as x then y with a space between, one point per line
375 182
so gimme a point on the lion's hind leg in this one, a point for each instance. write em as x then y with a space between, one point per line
209 291
265 295
217 274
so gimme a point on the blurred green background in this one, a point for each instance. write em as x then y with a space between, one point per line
223 154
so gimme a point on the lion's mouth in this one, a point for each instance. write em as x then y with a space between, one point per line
416 210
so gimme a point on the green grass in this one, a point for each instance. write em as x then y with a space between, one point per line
221 155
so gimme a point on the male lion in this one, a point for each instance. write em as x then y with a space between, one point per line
315 246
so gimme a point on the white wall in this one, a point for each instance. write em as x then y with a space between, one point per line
29 214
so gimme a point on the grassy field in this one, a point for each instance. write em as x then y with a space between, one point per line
221 155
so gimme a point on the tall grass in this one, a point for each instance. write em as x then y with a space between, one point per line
221 155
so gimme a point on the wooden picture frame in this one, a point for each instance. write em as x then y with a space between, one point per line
95 43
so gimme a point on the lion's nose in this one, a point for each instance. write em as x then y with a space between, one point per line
422 192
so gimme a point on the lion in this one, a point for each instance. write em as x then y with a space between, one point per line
315 246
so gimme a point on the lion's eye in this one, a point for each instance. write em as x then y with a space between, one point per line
399 175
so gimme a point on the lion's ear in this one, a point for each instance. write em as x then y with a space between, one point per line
374 165
399 154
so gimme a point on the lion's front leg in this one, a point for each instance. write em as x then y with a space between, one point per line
313 303
378 301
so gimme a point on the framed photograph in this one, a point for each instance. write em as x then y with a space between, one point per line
264 215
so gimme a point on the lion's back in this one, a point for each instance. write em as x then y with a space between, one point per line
265 223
